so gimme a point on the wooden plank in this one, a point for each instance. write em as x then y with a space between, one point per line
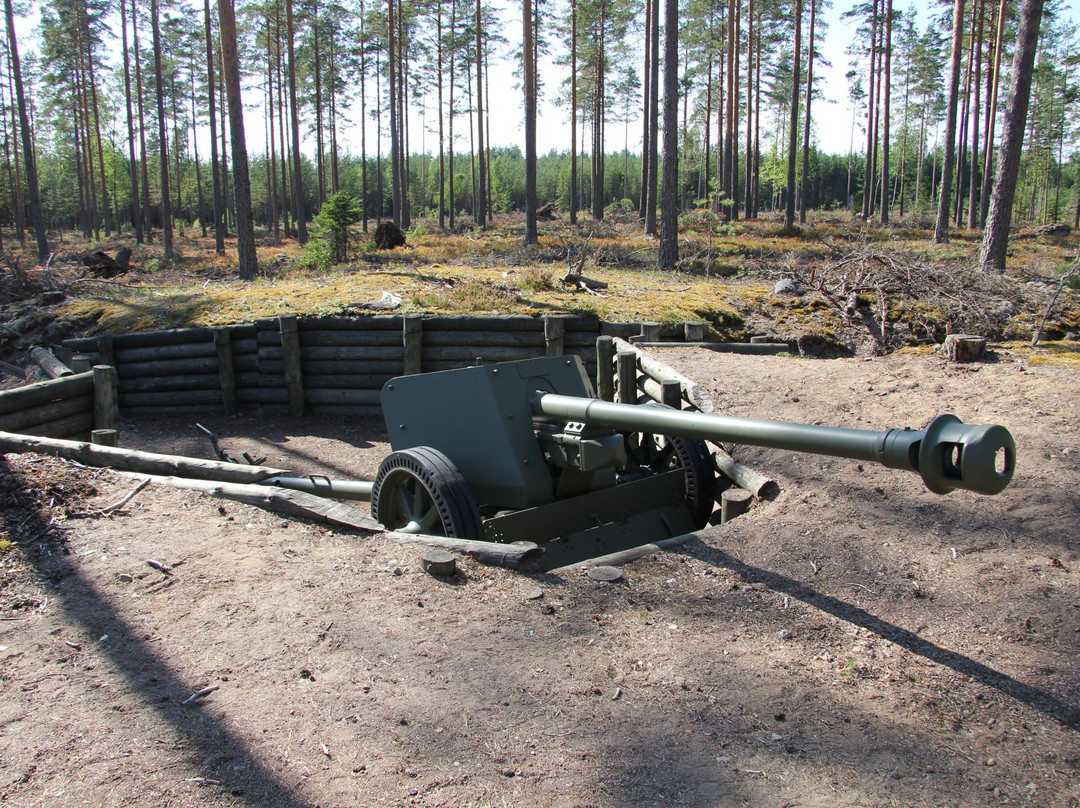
39 393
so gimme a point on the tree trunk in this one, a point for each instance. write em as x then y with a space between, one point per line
653 113
294 111
133 166
885 187
991 119
793 134
531 236
211 84
230 61
804 195
27 142
669 214
996 235
166 204
941 230
481 201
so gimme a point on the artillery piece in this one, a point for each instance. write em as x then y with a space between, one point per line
524 451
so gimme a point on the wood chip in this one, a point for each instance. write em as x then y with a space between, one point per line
198 694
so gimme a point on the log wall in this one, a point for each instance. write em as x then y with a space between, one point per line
318 365
60 408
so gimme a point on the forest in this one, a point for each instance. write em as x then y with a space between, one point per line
137 115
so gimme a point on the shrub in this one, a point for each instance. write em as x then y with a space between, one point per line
330 237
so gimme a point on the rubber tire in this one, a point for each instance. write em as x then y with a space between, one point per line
660 453
444 488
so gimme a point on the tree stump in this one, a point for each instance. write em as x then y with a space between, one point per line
438 562
734 502
388 236
964 347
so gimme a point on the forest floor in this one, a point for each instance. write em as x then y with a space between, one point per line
853 641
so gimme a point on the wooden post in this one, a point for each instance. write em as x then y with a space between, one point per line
671 395
554 331
627 361
605 368
964 347
226 370
734 502
695 331
105 351
413 334
650 332
106 411
294 376
104 437
80 363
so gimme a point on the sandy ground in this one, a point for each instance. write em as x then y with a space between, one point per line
856 641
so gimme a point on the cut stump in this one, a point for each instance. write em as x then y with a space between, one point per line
964 347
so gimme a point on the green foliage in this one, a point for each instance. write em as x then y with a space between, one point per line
330 235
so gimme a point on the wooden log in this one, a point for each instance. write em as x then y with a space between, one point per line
80 363
142 339
226 370
104 437
331 337
336 353
502 339
626 361
40 393
524 556
169 367
385 322
413 340
605 368
195 410
627 556
247 345
106 351
964 347
186 350
734 502
327 367
294 375
340 396
554 332
349 410
163 384
580 339
509 322
143 462
695 331
744 477
694 393
344 381
487 353
744 348
106 411
53 367
209 400
20 420
78 424
245 362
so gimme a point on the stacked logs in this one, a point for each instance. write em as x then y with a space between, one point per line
58 408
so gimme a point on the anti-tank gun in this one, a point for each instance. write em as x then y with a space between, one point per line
524 451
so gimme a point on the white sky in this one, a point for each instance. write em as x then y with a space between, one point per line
832 115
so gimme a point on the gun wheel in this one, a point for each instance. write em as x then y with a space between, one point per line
419 490
659 453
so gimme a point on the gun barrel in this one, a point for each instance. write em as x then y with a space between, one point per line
948 454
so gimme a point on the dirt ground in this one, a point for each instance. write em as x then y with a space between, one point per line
856 641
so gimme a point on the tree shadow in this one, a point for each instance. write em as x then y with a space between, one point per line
226 757
1045 703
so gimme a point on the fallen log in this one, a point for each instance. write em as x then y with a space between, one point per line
44 359
756 483
524 556
130 460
